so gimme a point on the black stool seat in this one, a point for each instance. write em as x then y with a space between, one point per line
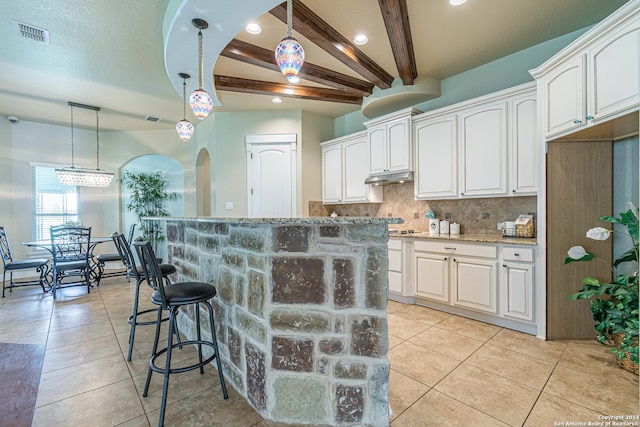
26 263
171 298
185 293
108 257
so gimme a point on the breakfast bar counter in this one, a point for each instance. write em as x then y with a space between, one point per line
300 311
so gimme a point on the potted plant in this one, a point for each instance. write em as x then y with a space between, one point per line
148 196
614 305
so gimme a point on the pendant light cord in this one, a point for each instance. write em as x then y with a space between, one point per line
97 140
184 99
72 154
289 17
200 58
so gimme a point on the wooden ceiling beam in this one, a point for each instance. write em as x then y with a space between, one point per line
236 84
314 28
261 57
396 21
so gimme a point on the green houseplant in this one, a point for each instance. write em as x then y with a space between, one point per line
614 305
148 197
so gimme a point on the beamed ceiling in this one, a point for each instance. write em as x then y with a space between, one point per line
100 56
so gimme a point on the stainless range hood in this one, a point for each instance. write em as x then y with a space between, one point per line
390 178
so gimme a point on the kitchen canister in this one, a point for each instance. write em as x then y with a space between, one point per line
444 227
434 226
454 229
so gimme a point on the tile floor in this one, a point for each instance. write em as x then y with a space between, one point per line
445 370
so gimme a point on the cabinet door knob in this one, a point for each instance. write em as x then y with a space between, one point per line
516 254
513 191
462 194
589 117
504 265
445 258
577 122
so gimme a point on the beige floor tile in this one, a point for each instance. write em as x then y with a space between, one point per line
423 314
65 321
405 328
78 334
446 342
519 367
104 407
469 328
180 385
421 364
403 392
393 306
74 354
140 421
499 397
394 341
589 356
63 383
550 411
437 410
208 408
38 339
14 330
529 344
607 394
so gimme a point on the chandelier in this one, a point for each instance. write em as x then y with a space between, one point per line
85 177
289 53
200 100
184 126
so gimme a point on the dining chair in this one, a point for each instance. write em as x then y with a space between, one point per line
103 259
10 265
171 298
71 251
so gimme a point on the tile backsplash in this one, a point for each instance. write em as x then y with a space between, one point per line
476 216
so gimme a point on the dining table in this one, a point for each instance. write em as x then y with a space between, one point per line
93 242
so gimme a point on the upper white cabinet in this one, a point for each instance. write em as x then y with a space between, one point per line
344 169
485 147
595 78
483 150
390 148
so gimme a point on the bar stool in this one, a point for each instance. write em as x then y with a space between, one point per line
137 273
171 298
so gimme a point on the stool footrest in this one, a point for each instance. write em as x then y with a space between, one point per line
146 322
155 368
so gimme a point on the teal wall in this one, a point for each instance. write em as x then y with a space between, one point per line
506 72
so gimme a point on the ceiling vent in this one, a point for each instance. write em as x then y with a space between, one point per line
152 119
30 32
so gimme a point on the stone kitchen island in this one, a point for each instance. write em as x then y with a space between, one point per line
300 311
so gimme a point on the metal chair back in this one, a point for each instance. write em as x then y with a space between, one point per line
124 251
151 268
70 244
131 230
5 249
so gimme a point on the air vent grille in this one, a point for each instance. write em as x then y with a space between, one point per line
31 32
152 119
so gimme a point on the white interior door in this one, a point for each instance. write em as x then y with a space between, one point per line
271 175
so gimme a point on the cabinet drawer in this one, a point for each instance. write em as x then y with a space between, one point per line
517 254
395 244
395 261
455 248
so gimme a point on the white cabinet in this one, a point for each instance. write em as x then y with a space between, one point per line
460 274
595 78
395 265
517 282
485 147
390 148
344 169
436 172
483 151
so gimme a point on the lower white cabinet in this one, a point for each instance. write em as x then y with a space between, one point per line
475 283
395 265
432 276
517 282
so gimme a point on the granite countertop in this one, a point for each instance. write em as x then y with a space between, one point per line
481 238
341 220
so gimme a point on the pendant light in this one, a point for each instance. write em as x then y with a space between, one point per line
85 177
289 53
200 101
184 126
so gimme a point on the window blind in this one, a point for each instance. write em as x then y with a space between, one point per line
52 203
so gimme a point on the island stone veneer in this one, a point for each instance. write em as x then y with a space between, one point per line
300 311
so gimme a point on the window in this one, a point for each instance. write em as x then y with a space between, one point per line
52 203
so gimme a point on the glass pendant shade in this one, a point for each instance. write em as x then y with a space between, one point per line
81 177
201 103
289 57
184 129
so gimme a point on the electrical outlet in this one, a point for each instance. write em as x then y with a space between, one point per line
486 215
499 226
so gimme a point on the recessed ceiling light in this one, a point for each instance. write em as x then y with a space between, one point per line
456 2
294 79
253 28
360 39
276 100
